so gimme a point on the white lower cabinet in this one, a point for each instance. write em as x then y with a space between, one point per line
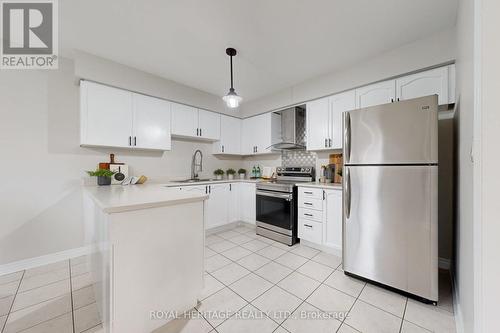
332 228
247 202
320 217
227 202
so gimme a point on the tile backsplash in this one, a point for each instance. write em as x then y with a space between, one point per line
298 158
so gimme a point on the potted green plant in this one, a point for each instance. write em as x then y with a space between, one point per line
103 176
218 174
242 172
230 173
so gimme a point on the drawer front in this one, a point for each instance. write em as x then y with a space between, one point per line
311 203
311 214
314 193
310 231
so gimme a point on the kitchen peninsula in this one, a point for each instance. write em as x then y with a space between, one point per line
147 256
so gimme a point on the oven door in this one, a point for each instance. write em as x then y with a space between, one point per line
276 209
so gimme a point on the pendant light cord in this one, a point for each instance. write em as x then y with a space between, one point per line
231 60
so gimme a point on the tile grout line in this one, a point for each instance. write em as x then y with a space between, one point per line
71 296
403 318
13 300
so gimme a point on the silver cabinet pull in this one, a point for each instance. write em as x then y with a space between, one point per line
130 141
135 141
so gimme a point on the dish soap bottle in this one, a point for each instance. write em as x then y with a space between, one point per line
258 173
254 172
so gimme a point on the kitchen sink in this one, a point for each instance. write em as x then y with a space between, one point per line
191 180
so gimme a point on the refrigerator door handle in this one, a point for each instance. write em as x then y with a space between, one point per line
347 137
348 194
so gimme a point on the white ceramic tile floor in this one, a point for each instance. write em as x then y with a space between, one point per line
253 284
300 289
56 298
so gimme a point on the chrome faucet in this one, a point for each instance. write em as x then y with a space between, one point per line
194 165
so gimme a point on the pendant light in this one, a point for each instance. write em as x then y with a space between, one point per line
232 99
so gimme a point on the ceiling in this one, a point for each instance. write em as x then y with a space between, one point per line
280 42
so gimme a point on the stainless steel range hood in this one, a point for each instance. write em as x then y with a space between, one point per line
293 129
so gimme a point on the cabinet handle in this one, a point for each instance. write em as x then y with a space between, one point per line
200 132
206 189
209 188
307 214
308 203
324 195
308 193
197 132
130 141
230 187
308 225
397 99
330 143
326 143
135 141
222 148
392 100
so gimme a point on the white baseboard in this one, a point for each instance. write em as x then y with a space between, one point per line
444 263
332 250
20 265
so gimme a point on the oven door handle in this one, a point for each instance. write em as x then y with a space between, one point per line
288 197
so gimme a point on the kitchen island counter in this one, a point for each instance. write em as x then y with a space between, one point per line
143 237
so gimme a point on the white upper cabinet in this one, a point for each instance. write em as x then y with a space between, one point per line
339 103
230 136
151 123
324 120
184 120
191 122
105 115
434 81
259 133
318 124
376 94
209 124
114 117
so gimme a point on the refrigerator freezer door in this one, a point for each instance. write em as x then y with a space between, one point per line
396 133
390 226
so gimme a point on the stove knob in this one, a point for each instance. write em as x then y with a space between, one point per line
302 170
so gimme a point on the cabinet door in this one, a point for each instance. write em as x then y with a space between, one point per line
262 132
234 203
426 83
248 135
318 124
338 104
184 120
332 232
230 136
151 123
209 124
217 210
106 115
376 94
247 202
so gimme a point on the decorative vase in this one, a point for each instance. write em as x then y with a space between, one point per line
102 181
230 176
242 176
218 177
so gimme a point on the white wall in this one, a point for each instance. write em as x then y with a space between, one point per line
486 177
91 67
42 164
464 118
437 49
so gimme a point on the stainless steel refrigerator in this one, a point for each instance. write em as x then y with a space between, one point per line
391 195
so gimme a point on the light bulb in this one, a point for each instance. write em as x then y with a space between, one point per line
232 99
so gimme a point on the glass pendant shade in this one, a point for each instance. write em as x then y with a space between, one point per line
232 99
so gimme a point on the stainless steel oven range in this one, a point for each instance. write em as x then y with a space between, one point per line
276 201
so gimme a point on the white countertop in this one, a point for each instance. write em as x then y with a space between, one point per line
208 182
331 186
118 198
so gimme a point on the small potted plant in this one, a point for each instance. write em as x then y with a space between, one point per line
218 174
103 176
242 173
230 173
